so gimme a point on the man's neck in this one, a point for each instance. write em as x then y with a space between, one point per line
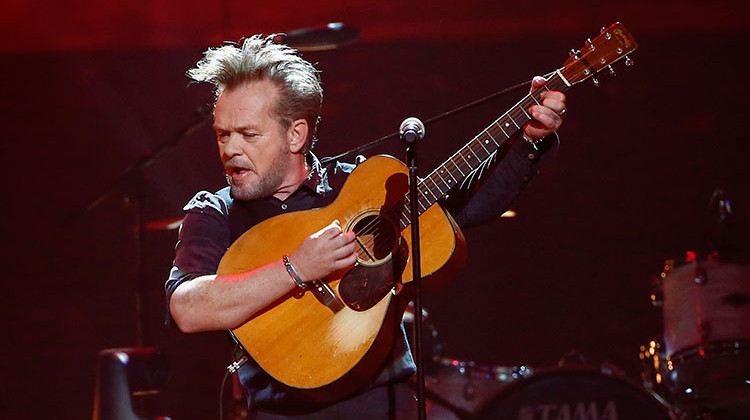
294 180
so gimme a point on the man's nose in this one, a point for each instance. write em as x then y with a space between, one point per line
231 147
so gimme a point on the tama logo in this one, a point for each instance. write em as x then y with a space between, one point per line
575 411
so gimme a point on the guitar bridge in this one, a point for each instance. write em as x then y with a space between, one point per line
323 292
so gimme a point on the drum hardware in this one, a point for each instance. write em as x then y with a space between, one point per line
431 341
465 387
655 368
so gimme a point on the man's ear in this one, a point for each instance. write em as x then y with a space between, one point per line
297 135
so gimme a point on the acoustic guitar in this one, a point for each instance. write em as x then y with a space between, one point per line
329 338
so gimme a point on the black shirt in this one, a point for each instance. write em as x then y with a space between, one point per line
213 221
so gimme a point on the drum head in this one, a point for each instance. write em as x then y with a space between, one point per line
574 394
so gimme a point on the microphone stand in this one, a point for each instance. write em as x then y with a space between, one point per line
411 140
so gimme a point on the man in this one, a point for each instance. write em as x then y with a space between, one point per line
267 108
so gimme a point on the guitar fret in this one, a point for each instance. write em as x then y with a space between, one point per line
482 158
448 180
499 133
514 121
520 114
457 167
448 171
434 178
406 211
443 179
493 139
471 168
430 189
486 141
420 205
404 220
507 124
503 130
426 198
437 186
441 184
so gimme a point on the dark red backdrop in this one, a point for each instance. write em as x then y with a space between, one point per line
90 89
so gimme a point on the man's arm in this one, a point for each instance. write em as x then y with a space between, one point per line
216 302
515 165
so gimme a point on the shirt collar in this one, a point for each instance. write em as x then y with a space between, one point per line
317 181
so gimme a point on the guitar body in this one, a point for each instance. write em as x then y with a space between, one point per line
310 343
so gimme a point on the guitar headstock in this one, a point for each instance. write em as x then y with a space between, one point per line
613 44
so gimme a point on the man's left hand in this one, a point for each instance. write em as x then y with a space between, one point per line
547 117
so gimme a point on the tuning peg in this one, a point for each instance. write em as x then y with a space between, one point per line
604 29
591 46
611 71
575 53
629 62
596 80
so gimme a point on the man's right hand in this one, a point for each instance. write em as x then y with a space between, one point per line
324 252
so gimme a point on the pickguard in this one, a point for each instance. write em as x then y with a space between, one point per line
365 285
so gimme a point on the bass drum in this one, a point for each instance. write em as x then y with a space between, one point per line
574 394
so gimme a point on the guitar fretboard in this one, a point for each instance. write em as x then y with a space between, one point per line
470 157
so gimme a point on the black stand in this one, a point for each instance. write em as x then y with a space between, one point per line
411 131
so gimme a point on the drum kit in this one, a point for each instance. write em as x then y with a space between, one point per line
699 369
702 366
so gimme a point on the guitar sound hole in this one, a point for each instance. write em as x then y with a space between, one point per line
376 238
382 258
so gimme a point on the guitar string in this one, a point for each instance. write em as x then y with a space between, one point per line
462 153
554 80
372 229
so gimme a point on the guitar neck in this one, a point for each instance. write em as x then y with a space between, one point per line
472 156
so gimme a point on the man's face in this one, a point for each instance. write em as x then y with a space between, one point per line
253 146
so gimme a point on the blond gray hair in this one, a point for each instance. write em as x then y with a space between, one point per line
258 58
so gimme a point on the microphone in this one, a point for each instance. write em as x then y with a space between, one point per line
411 130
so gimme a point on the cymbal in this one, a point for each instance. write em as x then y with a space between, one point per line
319 38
